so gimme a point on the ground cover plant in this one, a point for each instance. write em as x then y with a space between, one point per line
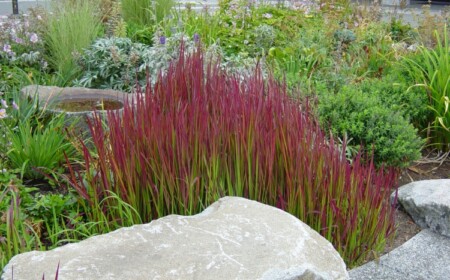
199 134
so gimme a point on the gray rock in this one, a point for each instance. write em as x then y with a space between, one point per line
425 256
234 238
428 203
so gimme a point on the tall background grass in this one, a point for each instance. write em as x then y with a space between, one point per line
145 12
431 70
73 26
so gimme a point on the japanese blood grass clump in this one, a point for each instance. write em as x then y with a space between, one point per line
199 134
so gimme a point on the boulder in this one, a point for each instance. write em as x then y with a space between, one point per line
428 203
234 238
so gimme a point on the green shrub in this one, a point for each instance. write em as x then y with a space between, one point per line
240 25
393 93
401 31
118 63
304 57
365 120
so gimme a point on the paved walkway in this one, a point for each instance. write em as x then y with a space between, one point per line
425 256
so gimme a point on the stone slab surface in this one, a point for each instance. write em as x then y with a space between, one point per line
425 256
428 203
234 238
49 94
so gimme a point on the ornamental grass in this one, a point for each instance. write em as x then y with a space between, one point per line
199 134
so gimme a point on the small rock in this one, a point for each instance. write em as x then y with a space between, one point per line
413 47
425 256
234 238
428 203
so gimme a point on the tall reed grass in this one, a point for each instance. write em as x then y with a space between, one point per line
72 26
199 135
146 12
432 72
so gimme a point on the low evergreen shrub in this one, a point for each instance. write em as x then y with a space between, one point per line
366 120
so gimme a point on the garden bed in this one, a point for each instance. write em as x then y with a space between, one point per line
318 109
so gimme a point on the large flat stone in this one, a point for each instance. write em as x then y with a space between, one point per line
428 203
234 238
425 256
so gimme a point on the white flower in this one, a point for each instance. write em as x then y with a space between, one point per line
3 114
18 40
267 15
39 17
34 38
7 48
4 104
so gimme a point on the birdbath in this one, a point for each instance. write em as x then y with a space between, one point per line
78 104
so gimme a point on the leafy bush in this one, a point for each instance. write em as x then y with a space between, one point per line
304 57
394 93
118 63
199 134
401 31
362 117
240 23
